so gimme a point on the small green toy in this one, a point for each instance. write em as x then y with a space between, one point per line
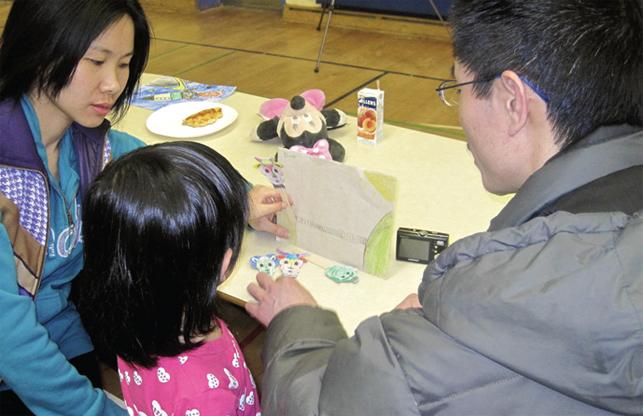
342 274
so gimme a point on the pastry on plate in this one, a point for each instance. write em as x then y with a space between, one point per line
203 117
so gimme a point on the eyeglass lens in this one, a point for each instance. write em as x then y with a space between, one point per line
449 96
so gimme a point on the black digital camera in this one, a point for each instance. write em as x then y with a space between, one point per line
419 246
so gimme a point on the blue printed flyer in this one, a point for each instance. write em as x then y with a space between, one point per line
171 90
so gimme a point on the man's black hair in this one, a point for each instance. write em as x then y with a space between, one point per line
585 55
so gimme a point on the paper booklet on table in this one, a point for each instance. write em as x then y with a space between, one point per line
167 90
340 212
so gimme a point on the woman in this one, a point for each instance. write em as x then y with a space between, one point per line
64 65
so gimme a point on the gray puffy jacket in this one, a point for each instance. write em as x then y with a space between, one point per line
542 315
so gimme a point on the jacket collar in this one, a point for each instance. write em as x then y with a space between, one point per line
607 150
17 147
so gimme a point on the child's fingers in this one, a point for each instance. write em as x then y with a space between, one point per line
267 208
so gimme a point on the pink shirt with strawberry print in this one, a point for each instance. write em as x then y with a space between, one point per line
211 380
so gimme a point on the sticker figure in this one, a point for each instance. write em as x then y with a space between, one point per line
274 172
271 170
291 263
266 263
342 274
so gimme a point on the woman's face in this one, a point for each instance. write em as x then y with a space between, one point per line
100 76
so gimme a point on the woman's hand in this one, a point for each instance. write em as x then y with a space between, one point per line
264 203
273 296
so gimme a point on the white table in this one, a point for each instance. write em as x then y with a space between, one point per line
439 189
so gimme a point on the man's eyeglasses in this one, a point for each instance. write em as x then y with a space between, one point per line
449 90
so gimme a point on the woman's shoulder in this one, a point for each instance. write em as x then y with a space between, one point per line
122 142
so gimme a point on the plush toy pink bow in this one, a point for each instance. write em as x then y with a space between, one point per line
275 106
319 150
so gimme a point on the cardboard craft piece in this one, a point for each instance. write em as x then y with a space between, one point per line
342 212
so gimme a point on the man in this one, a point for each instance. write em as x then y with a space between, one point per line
543 313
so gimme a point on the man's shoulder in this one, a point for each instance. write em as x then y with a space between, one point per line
537 231
545 294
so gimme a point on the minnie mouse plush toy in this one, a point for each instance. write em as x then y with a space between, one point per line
302 124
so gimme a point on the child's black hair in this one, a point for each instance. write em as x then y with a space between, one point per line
156 225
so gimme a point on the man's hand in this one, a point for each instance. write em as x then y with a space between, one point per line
273 296
264 203
412 301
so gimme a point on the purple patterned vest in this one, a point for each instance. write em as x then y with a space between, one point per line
24 187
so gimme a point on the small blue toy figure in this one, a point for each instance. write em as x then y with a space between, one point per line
266 263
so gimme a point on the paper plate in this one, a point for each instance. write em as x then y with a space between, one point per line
168 121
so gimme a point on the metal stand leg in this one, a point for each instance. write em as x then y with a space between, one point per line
330 9
437 12
321 17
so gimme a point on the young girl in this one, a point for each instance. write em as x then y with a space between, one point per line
162 227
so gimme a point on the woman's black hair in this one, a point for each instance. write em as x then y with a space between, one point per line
156 225
586 56
43 41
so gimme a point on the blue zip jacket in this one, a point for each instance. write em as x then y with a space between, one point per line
41 327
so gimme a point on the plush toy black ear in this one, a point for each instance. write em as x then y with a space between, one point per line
334 118
267 130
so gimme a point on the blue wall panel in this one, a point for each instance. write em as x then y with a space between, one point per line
402 7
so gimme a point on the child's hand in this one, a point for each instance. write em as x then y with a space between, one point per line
264 203
273 296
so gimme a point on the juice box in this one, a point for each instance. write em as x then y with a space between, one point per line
370 115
